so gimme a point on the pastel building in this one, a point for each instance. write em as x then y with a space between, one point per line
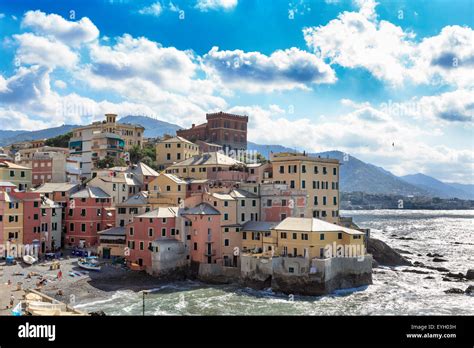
18 175
319 177
146 228
135 205
88 212
118 185
203 231
174 149
11 215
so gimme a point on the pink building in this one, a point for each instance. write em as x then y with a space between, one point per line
146 228
88 212
203 227
279 202
33 221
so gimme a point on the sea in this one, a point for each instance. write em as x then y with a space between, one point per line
449 233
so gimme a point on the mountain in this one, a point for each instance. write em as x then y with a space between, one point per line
436 187
153 127
468 188
9 138
355 175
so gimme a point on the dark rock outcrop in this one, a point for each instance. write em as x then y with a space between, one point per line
454 291
384 255
469 290
438 259
470 274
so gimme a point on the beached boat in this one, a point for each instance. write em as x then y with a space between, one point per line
29 259
89 263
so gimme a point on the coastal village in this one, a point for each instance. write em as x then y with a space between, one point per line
209 209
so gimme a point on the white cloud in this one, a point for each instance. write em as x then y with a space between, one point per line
254 71
69 32
14 120
60 84
154 9
360 40
206 5
40 50
367 133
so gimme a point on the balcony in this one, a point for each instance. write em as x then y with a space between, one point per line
210 253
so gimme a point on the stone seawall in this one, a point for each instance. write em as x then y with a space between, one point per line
306 277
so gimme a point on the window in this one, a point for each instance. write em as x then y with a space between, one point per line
304 236
324 200
226 242
130 231
150 232
35 217
254 203
303 168
195 247
226 216
242 203
226 229
269 202
283 235
325 170
83 227
163 232
226 204
244 235
295 236
36 204
83 212
334 171
282 169
303 184
282 216
142 245
71 227
334 200
292 184
321 236
315 200
291 270
12 173
339 235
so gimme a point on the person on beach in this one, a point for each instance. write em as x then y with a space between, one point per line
60 275
12 300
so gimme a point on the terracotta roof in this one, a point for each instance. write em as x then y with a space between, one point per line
11 165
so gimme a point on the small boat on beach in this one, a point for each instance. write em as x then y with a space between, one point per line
89 263
29 259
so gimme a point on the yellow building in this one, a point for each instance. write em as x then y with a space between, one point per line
11 223
18 175
314 238
257 236
112 242
319 177
166 190
175 149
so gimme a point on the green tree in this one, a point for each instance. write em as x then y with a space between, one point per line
59 141
109 162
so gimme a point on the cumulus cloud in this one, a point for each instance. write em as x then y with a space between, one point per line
40 50
141 58
254 71
360 40
154 9
367 133
206 5
69 32
14 120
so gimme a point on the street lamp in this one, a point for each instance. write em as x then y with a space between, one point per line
144 292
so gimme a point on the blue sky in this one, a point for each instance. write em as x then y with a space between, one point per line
391 82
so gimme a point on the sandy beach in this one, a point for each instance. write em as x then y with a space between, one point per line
91 286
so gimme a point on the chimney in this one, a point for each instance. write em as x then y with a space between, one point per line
193 125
